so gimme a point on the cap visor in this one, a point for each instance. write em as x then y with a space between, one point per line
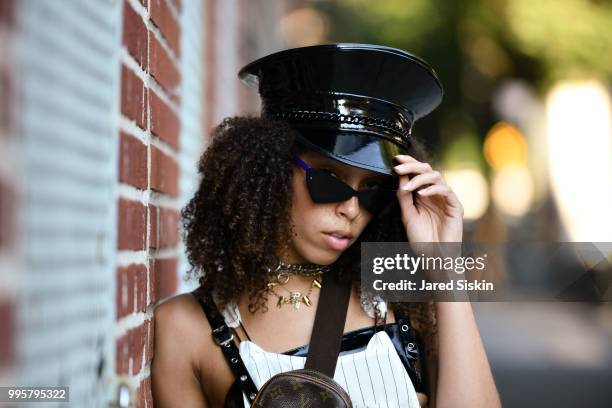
354 148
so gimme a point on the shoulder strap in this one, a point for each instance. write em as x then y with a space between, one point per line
330 317
225 339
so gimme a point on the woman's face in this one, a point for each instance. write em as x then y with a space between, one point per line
315 222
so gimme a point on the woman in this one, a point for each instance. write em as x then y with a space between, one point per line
285 201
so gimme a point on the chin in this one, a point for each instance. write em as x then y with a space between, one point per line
314 252
322 257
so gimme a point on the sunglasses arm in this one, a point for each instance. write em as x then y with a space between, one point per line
301 163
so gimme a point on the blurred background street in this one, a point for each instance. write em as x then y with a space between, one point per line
549 355
106 106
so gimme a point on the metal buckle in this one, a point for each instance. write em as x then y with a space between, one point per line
222 335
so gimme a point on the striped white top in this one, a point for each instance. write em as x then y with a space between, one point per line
373 377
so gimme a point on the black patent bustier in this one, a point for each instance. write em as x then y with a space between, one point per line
401 334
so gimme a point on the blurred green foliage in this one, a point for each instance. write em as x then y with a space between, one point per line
476 44
572 38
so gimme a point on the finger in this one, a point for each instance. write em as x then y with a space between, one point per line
412 167
431 177
444 190
435 189
404 197
404 158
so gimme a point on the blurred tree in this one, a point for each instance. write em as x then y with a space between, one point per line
474 44
573 38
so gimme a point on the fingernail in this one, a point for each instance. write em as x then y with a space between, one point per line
406 187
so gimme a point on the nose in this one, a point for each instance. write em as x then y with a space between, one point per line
349 208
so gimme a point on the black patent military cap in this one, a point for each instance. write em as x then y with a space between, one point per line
356 103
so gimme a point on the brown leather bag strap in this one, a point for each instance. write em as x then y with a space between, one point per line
328 327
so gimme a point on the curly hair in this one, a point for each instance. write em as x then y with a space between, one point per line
241 215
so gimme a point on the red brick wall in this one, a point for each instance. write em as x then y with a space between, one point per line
148 175
148 209
7 340
8 185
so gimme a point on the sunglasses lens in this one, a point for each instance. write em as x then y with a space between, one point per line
325 188
376 200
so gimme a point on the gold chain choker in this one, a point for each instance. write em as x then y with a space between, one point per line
281 274
299 269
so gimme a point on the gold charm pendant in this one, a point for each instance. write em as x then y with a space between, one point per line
282 278
295 299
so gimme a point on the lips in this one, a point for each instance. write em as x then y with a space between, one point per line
340 234
335 242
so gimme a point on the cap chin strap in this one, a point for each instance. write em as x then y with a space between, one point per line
353 122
